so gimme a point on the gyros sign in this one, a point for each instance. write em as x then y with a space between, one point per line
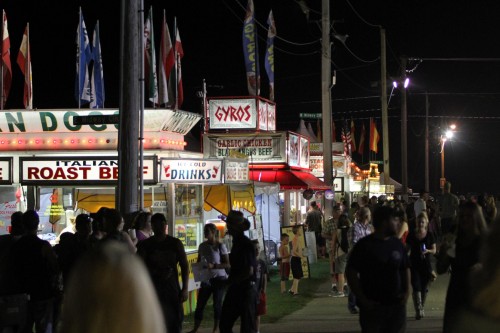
78 170
233 113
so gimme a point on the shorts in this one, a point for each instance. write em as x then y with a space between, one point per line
296 265
262 304
285 271
340 264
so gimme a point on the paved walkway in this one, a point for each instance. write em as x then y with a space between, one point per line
327 314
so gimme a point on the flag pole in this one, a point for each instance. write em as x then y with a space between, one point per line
176 75
79 55
28 67
141 101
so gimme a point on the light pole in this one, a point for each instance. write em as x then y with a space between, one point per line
404 81
445 137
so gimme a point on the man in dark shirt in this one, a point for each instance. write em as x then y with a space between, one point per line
6 242
241 296
313 223
33 270
379 276
161 254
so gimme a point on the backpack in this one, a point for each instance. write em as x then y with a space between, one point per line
344 239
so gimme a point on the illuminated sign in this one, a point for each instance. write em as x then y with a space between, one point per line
5 170
267 116
298 151
235 170
259 147
242 113
62 121
78 170
190 171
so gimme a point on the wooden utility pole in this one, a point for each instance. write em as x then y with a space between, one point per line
326 101
426 185
404 130
127 196
383 99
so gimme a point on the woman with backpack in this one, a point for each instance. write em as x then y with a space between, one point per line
341 246
215 255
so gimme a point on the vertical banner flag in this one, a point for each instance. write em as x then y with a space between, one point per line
269 59
346 138
179 53
97 82
250 51
150 59
6 66
374 136
361 148
24 62
165 53
353 136
83 57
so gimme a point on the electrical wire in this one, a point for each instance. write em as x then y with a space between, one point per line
361 18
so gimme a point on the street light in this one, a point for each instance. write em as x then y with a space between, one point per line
446 137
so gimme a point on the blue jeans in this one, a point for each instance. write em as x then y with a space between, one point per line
204 295
351 301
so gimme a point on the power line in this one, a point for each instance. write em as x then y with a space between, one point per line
361 18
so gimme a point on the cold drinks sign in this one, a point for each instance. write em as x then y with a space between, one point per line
190 171
74 170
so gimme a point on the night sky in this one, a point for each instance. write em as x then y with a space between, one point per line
463 92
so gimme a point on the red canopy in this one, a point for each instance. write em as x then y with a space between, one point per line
289 179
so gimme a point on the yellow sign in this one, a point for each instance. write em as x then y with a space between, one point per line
302 244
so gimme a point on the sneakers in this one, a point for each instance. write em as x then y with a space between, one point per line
338 294
335 289
353 311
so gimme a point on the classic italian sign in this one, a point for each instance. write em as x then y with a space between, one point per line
5 170
78 170
190 171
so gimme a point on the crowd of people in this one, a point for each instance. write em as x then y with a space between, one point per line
102 278
393 249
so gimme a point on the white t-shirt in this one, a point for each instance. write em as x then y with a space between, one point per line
212 254
419 207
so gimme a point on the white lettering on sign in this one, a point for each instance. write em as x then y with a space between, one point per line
261 147
233 113
202 171
40 170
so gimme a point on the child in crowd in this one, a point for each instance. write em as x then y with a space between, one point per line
260 285
296 261
284 252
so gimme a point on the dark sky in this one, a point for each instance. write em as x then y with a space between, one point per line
464 92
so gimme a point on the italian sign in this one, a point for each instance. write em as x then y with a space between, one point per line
190 170
75 170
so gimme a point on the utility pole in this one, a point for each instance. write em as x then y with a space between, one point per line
426 143
326 101
404 134
383 99
128 148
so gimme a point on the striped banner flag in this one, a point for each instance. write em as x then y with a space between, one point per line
374 136
269 59
250 51
6 65
83 57
24 62
164 68
361 148
97 82
150 59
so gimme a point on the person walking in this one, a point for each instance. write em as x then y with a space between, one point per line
162 254
327 233
216 257
422 246
313 222
241 296
378 273
361 228
462 255
341 245
448 207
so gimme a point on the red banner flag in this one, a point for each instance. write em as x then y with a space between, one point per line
24 62
6 65
361 148
166 62
353 137
374 136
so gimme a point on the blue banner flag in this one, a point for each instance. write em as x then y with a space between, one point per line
250 51
83 57
97 83
269 59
